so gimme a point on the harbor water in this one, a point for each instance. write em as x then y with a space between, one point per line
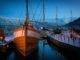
44 52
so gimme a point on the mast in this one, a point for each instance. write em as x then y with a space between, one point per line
56 17
71 15
43 11
27 13
71 18
27 8
26 23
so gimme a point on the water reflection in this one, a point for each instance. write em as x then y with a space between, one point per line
45 52
11 56
48 53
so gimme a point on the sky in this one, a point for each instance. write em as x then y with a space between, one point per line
12 8
17 8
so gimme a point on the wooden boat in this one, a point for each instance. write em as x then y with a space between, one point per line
26 39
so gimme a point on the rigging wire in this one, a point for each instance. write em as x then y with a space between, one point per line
35 11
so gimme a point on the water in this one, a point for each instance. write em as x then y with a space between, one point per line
46 52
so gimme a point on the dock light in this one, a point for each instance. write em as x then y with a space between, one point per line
7 46
41 27
1 37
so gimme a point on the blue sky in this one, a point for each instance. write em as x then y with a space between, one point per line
16 8
12 8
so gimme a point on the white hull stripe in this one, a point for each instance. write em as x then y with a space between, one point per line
30 33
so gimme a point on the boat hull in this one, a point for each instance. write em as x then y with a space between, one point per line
25 45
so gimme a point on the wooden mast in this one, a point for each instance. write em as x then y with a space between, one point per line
27 13
26 24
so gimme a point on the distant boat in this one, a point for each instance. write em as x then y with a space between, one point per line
2 36
3 44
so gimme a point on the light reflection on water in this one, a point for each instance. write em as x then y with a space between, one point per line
48 53
45 52
11 56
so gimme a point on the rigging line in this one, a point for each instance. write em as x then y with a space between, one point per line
40 15
43 11
35 11
8 21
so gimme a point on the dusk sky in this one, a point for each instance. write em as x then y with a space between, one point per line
16 8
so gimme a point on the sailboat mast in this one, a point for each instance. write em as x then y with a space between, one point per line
71 15
43 11
26 24
56 17
71 18
27 10
27 13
